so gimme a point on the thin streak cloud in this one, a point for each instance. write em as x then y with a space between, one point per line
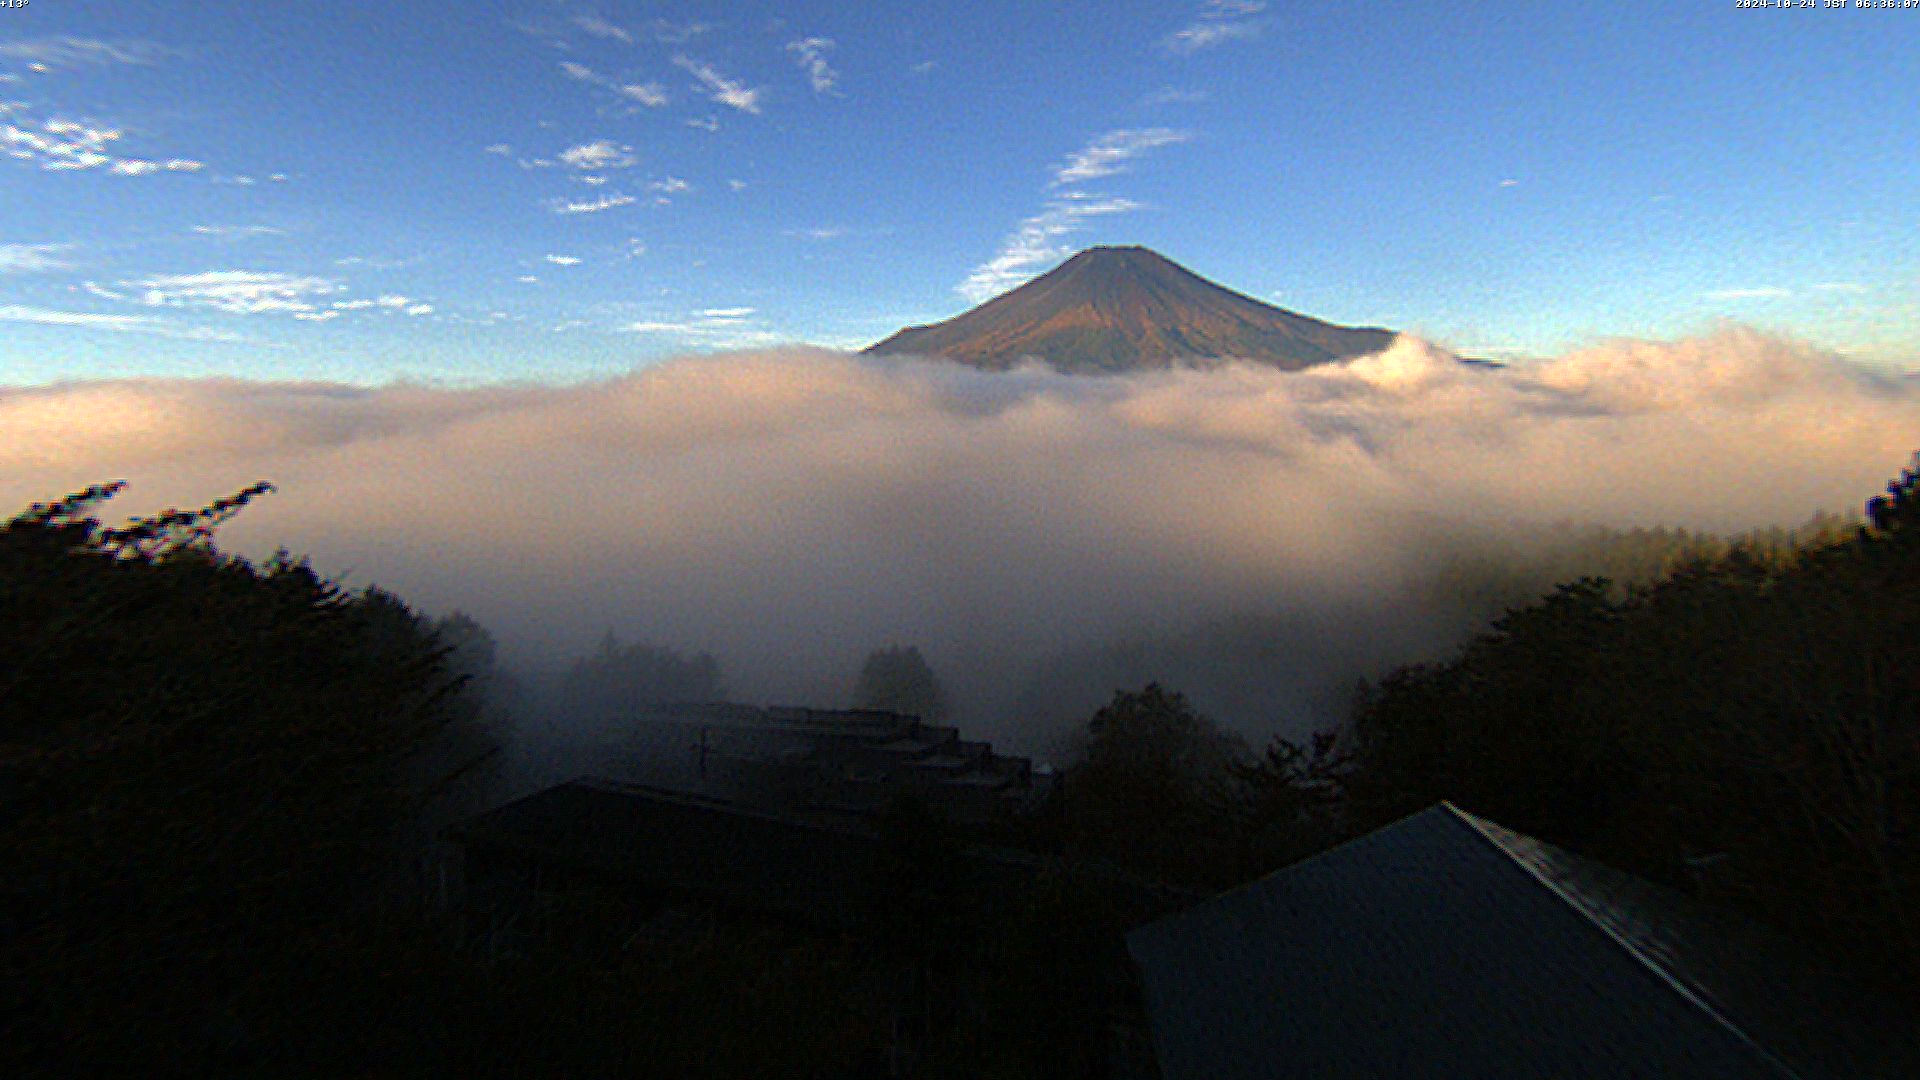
1110 153
1218 22
67 51
729 92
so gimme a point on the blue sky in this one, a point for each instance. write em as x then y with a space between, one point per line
487 190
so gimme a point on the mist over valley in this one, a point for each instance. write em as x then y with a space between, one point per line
1261 537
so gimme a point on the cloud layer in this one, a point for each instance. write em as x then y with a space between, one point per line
792 509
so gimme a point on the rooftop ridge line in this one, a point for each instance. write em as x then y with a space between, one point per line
1477 827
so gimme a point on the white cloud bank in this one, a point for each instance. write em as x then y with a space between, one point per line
791 510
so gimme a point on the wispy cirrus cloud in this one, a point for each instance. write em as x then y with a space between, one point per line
599 154
589 206
67 51
564 260
1761 292
238 232
822 233
601 28
1170 95
304 297
139 167
67 145
811 54
668 32
1035 245
1218 22
714 322
1110 153
650 94
126 324
33 258
50 317
711 328
238 292
729 92
388 302
373 262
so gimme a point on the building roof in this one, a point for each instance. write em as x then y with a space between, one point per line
1446 946
710 849
857 761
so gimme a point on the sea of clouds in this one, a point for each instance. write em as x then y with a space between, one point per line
791 509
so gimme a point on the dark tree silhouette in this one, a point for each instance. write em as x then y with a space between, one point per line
1748 727
203 765
898 679
622 679
1154 788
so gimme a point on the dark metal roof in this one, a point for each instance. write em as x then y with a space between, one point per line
1445 946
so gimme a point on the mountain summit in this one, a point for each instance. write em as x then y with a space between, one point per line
1112 309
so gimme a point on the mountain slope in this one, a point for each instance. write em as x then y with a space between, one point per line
1112 309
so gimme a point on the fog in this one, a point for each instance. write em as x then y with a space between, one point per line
1253 535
